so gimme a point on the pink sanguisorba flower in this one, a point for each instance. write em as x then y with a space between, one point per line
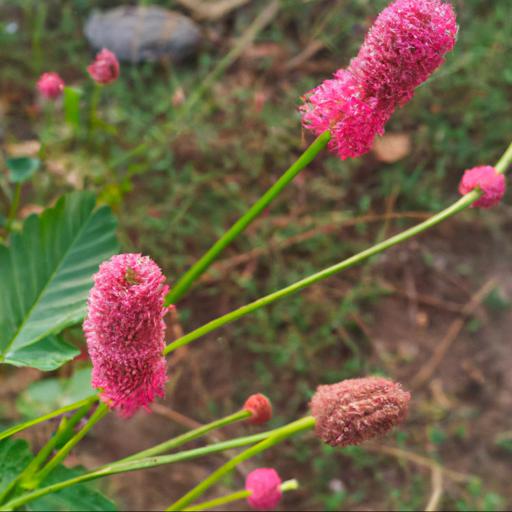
105 68
355 410
406 44
487 179
265 487
50 85
125 331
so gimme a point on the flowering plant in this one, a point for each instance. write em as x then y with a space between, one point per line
124 298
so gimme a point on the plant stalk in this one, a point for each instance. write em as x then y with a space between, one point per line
135 465
289 430
30 423
188 279
289 485
188 436
99 413
460 205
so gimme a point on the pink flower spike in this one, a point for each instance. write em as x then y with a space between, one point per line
265 487
489 181
125 332
50 85
260 408
105 68
405 45
355 410
340 105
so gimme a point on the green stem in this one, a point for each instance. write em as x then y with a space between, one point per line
100 412
93 112
458 206
14 206
63 432
284 433
463 203
183 285
505 161
289 485
135 465
27 424
188 436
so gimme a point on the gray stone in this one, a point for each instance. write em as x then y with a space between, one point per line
148 33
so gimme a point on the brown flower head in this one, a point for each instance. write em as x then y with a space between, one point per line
355 410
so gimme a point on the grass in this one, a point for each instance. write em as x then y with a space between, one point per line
198 173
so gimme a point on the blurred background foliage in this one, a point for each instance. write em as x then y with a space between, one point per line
177 174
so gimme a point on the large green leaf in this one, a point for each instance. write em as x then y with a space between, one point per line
46 271
15 455
46 355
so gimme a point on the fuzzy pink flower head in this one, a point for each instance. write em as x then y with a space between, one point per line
487 179
342 106
50 85
125 332
260 408
105 68
265 487
355 410
405 45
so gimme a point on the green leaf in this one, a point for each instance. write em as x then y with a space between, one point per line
46 395
46 272
15 455
75 498
46 355
21 168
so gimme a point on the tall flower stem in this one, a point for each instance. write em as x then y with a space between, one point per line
188 279
64 431
289 485
284 433
188 436
150 462
14 206
460 205
62 410
100 412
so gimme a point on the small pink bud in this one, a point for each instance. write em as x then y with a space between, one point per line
355 410
105 68
50 85
489 181
265 487
260 407
125 332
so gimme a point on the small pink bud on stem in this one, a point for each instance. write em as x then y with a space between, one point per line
50 85
105 68
487 179
260 408
265 487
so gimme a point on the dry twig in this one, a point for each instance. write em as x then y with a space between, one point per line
426 372
437 490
